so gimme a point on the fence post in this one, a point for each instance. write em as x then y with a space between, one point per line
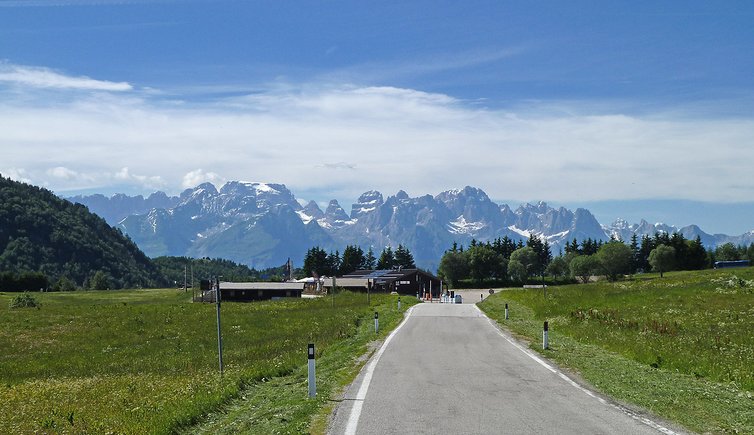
312 375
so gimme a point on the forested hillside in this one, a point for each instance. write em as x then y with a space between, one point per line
205 268
64 243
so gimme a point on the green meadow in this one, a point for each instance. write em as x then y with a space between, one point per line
146 361
681 346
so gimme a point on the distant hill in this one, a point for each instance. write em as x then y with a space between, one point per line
205 268
39 232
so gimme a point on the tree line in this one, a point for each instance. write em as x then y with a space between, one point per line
318 262
507 261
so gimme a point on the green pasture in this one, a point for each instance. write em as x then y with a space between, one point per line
681 346
146 361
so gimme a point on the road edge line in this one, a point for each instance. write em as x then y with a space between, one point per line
654 425
353 418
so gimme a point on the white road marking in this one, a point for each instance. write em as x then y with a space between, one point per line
565 377
353 418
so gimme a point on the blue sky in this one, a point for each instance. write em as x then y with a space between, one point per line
629 108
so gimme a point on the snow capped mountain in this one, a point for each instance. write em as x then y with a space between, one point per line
335 215
262 224
367 202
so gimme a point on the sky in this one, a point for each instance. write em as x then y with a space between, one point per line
631 109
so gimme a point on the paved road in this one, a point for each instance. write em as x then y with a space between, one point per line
448 370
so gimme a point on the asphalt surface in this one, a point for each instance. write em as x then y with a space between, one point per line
448 370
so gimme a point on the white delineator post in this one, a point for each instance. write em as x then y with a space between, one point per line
545 338
312 375
506 311
399 303
376 323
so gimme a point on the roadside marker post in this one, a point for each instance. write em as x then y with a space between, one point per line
312 375
376 323
481 297
506 311
545 338
399 303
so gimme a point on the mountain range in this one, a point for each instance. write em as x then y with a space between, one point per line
262 224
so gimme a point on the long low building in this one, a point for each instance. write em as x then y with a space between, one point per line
257 291
402 281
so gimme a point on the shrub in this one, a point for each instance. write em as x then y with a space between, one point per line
24 301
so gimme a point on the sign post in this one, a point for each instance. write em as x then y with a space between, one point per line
219 331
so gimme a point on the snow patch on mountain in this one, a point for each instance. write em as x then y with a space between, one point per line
523 233
305 218
461 226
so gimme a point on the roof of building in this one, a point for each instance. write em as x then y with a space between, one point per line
384 275
261 286
348 282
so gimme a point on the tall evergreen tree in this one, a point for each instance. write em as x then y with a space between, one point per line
333 263
369 261
387 259
634 246
404 258
353 258
647 245
315 262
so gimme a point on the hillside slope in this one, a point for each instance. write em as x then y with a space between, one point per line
40 232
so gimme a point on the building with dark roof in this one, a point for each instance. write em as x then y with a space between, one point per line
257 291
401 281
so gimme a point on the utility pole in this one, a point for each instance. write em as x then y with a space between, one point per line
332 298
185 277
219 332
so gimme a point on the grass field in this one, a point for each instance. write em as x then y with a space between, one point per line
681 346
146 361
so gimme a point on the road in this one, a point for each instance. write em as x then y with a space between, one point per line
447 369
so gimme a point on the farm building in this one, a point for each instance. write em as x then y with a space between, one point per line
402 281
256 291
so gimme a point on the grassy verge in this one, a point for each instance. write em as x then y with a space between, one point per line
679 346
280 405
146 361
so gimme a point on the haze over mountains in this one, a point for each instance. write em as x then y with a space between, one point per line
263 224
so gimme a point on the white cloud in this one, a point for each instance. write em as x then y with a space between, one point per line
152 182
386 139
198 176
65 174
18 174
46 78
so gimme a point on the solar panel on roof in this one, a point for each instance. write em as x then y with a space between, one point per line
378 273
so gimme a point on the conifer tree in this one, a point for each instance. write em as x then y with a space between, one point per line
634 246
369 261
404 258
387 260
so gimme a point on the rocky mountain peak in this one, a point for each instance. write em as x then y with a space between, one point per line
313 210
335 212
367 203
